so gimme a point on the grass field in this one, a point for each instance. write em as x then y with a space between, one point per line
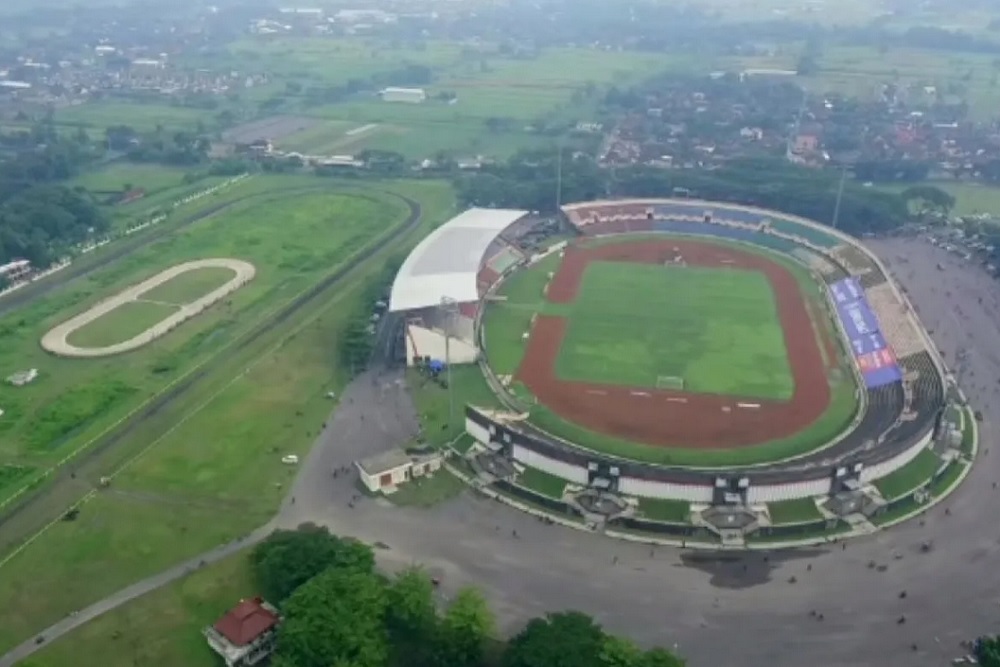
433 402
542 482
206 468
143 117
861 71
190 285
506 321
428 491
910 476
121 324
801 510
718 329
665 509
163 627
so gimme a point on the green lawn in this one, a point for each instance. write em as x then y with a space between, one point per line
163 627
141 116
718 329
665 509
428 491
906 479
121 324
121 175
544 483
968 432
800 510
943 482
441 418
190 285
206 468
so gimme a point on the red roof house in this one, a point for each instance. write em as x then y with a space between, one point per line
245 634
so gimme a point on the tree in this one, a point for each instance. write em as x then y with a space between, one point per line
411 618
988 651
929 198
568 639
335 619
467 626
289 558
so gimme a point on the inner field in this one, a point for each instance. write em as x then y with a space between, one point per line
716 328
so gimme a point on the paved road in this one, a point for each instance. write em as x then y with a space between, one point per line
717 609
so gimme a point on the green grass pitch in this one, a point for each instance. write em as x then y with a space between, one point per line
718 329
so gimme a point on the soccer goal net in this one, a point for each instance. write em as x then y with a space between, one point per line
669 382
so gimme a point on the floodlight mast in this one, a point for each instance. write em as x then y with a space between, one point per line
450 307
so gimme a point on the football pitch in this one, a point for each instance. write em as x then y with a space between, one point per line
643 325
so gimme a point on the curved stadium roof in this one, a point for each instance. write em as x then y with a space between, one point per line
445 264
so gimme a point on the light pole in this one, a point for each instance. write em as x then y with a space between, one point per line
450 308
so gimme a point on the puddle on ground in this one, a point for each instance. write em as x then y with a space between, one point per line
743 569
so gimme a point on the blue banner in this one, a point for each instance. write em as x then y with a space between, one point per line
847 290
872 354
868 344
858 319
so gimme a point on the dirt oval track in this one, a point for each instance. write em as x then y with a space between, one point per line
56 340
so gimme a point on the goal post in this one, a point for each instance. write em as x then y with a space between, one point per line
673 382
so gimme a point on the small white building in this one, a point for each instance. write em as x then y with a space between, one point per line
408 95
384 472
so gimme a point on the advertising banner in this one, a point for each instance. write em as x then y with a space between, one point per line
874 357
847 290
870 343
858 319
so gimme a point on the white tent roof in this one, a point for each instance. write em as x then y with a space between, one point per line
445 264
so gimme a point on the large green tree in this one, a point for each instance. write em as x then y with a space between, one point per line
336 619
467 626
411 618
567 639
289 558
572 639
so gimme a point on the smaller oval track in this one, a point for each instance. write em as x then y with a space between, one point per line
56 340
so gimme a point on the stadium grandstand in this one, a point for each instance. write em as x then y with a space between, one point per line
439 286
900 411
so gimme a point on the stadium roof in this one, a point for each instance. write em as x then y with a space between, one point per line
445 264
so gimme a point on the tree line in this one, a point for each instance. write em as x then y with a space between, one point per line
338 609
40 218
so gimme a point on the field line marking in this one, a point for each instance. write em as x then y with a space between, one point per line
194 369
90 495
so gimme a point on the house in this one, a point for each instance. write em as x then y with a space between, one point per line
806 143
409 95
245 635
384 472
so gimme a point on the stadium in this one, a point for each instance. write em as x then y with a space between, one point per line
701 370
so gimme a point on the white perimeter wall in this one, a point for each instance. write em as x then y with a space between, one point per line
697 493
575 474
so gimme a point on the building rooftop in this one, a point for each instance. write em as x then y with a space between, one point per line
444 265
247 621
384 462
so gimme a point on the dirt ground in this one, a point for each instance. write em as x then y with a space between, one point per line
677 418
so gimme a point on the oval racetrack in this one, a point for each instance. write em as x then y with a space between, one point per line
56 340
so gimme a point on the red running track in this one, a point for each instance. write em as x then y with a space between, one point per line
669 418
